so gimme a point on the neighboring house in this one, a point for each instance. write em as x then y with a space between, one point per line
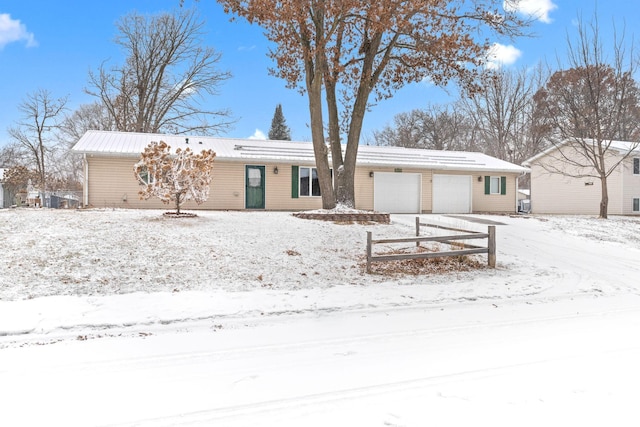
524 194
281 175
558 193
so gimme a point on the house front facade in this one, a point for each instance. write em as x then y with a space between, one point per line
559 187
281 175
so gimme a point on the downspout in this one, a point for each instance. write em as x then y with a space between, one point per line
85 184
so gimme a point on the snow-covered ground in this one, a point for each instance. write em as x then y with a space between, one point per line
118 317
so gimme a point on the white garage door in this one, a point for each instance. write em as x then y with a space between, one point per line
397 192
451 194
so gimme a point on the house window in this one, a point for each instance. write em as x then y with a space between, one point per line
144 175
636 166
495 185
636 205
305 182
309 183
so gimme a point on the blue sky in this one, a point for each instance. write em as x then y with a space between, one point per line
53 44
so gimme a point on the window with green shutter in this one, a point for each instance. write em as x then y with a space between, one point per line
495 185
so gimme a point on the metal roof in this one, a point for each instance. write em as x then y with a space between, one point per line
622 147
108 143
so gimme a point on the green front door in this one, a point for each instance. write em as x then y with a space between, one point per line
254 187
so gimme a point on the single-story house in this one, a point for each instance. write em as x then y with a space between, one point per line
280 175
559 187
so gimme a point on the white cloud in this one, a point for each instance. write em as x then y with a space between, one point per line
538 9
258 134
12 30
500 55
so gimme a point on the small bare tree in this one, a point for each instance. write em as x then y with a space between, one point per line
174 178
166 73
41 116
590 105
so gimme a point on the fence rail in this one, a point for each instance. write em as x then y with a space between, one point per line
451 240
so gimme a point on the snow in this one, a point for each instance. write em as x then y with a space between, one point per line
124 317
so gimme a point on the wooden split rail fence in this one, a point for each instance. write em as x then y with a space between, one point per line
452 240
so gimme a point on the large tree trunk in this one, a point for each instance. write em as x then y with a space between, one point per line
335 141
604 200
314 79
345 191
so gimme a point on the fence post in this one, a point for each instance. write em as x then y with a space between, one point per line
417 230
491 245
368 252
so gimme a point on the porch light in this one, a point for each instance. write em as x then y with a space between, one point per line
371 174
275 170
480 178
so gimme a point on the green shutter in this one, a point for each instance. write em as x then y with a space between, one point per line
487 185
294 182
503 185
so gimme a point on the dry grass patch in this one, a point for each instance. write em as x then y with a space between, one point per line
421 266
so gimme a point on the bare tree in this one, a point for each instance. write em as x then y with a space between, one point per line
167 73
439 127
587 107
174 178
356 49
503 113
93 116
68 165
12 154
35 132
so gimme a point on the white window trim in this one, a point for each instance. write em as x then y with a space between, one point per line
310 168
491 192
145 176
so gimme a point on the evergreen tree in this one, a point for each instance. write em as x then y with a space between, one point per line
279 129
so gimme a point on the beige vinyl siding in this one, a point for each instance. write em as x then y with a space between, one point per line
496 203
427 191
363 185
554 193
112 184
278 191
630 186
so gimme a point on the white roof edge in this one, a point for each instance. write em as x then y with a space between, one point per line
635 147
127 144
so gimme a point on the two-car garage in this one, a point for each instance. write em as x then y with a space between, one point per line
395 192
